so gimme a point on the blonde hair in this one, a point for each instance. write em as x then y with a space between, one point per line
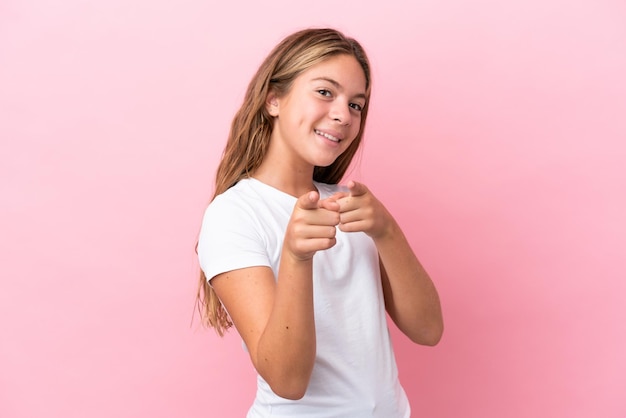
250 131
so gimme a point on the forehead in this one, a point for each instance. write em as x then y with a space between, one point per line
343 69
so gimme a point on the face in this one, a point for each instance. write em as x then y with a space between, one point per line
317 120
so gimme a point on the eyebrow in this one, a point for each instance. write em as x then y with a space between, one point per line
339 86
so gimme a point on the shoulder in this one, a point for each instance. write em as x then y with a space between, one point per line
230 209
232 235
234 202
239 194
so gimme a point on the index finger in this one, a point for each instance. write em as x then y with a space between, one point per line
308 201
357 189
329 203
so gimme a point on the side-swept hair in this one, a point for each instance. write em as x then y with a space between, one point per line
250 131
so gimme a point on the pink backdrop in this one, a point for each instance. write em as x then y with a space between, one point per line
496 136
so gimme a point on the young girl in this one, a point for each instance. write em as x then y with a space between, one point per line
305 269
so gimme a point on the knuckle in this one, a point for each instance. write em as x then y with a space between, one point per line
297 229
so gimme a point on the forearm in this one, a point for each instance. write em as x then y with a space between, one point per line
410 295
286 349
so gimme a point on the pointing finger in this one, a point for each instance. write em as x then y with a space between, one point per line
308 201
357 189
329 204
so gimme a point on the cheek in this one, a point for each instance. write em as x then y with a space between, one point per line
356 128
352 141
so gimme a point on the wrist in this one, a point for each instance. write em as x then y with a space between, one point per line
294 258
388 232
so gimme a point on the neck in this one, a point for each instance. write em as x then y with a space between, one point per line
296 183
284 169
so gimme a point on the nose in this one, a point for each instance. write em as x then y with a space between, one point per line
340 112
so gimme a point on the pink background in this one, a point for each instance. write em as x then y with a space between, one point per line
496 137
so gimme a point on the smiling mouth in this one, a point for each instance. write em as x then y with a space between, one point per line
327 136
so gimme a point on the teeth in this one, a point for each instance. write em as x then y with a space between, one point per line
328 136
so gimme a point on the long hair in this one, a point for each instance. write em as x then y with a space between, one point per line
250 131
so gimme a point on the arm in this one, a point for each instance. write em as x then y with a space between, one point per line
410 295
275 316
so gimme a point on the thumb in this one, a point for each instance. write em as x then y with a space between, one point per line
308 201
357 189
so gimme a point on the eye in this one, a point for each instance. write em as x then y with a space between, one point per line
356 107
324 92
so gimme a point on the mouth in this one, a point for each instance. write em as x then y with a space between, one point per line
327 136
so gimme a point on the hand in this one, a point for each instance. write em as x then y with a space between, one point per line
312 226
360 211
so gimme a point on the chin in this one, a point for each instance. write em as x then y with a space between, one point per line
324 163
324 160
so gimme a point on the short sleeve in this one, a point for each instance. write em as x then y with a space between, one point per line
230 238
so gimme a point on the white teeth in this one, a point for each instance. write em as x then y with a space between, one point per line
328 136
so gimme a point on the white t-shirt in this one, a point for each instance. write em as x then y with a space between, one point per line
355 373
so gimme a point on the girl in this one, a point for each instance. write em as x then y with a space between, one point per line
304 268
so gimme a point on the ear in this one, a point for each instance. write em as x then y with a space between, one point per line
271 104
